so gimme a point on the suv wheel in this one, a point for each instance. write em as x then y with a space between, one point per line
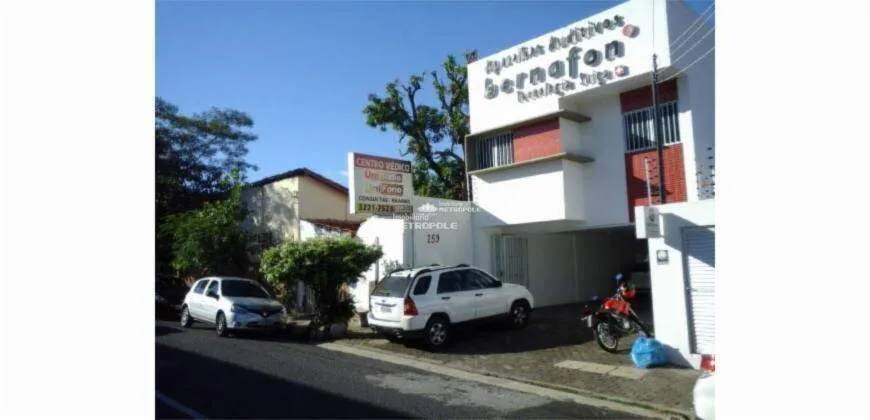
221 327
186 319
437 333
519 315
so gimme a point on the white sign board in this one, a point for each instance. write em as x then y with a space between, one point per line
652 221
529 79
379 185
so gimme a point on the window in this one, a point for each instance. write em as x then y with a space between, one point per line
392 286
640 130
266 240
422 286
213 287
475 280
242 288
200 287
494 151
450 282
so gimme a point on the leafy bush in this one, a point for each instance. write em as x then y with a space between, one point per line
324 264
209 240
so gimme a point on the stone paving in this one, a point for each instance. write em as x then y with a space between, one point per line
555 350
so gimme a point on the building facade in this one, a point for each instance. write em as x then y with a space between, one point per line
294 206
285 207
563 149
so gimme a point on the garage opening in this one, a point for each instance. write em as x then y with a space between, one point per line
602 253
571 267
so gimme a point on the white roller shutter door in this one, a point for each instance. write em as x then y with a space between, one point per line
699 245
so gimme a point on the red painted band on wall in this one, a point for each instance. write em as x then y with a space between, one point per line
675 177
537 141
642 97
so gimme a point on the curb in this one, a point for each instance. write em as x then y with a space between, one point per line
665 412
671 412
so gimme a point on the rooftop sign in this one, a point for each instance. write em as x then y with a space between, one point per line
529 79
586 65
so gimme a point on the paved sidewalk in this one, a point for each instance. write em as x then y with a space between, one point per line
554 351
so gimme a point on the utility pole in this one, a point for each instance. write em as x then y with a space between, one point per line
660 146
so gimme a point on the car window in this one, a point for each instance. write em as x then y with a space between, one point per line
422 286
392 286
200 287
213 287
242 288
476 280
450 282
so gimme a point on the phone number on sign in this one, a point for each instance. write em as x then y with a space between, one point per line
382 208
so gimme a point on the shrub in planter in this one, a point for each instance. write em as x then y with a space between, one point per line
327 265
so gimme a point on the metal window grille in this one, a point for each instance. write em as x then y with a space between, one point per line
494 151
640 130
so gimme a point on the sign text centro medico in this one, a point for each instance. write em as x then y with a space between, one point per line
379 185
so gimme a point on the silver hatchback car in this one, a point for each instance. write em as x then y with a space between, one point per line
232 304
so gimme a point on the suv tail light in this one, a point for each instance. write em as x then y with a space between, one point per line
410 307
708 363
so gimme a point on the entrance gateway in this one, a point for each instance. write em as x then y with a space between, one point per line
510 259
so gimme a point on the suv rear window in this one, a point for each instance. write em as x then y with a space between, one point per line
422 286
391 286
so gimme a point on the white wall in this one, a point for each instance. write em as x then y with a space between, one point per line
668 280
696 90
273 208
576 194
451 248
523 194
505 108
551 269
602 182
390 235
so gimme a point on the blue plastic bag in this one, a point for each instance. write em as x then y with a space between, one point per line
648 352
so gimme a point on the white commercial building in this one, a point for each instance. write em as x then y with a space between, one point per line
562 150
562 161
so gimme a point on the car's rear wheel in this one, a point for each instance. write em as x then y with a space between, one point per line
519 315
186 319
221 325
437 333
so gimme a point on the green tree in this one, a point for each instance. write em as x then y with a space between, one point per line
324 264
209 240
193 154
433 135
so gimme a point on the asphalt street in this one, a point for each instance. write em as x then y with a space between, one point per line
201 375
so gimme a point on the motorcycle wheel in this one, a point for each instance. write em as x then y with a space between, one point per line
606 337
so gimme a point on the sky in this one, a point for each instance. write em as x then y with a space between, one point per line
303 70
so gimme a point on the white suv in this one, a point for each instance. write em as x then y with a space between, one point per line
232 303
427 302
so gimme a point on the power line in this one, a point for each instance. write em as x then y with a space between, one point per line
689 37
690 65
693 46
699 19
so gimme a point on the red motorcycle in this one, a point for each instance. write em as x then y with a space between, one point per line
615 318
